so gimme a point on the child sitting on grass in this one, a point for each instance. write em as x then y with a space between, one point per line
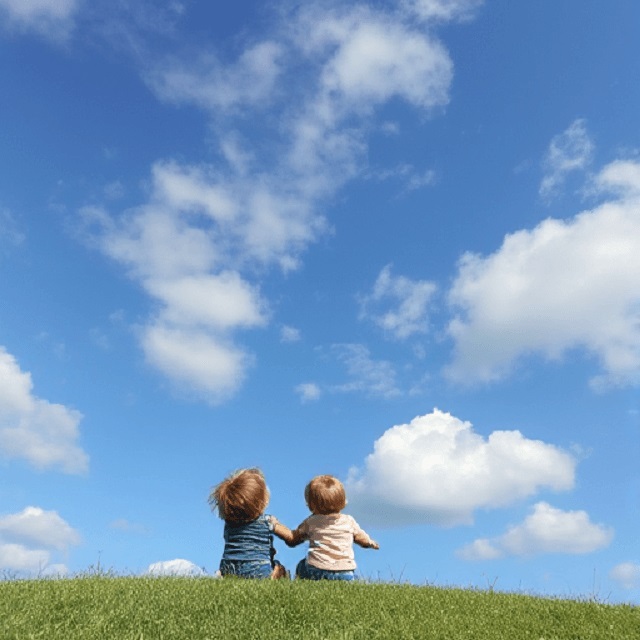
331 534
248 541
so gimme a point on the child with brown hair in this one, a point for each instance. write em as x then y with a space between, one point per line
248 541
331 534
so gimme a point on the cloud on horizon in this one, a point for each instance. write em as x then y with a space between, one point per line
177 567
437 470
29 538
626 574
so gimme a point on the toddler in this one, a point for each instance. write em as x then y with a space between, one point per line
331 534
248 541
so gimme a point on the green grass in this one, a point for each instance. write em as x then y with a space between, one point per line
128 608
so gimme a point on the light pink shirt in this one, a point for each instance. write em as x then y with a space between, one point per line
330 541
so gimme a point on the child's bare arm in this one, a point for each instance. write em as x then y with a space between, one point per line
291 538
362 539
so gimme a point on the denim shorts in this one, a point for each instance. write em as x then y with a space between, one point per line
307 572
246 568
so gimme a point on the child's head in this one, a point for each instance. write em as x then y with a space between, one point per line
325 495
241 497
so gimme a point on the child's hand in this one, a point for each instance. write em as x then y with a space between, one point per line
373 545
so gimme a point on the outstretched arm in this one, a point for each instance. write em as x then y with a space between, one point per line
291 538
362 539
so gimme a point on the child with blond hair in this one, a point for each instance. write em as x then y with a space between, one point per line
241 500
330 533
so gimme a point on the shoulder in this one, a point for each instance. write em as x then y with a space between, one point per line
350 521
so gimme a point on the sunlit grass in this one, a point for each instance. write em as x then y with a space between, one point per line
141 608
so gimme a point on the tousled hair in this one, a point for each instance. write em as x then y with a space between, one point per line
241 497
325 495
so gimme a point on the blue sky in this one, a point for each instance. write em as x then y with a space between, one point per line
397 242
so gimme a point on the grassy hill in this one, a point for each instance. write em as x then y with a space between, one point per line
134 608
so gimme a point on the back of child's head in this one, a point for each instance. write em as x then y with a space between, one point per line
325 495
241 497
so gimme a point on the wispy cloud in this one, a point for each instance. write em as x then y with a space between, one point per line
43 434
308 391
545 530
569 151
124 525
374 378
52 19
207 232
564 284
442 10
10 232
409 302
436 469
289 334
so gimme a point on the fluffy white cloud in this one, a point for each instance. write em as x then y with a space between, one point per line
409 313
195 360
377 58
50 18
436 469
28 538
176 567
563 285
43 434
36 526
546 530
570 151
626 574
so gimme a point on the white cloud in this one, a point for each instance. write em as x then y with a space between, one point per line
212 85
626 574
50 18
569 151
368 376
308 391
411 177
208 232
436 469
195 360
411 298
17 557
546 530
178 567
442 10
43 434
28 538
377 58
36 526
221 301
563 285
289 334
